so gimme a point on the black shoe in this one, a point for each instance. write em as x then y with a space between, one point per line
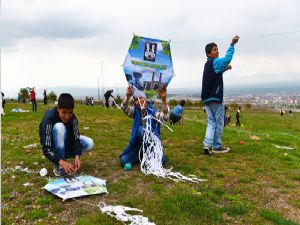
59 171
207 150
221 150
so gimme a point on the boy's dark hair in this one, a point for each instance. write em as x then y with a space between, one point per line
182 102
209 47
66 101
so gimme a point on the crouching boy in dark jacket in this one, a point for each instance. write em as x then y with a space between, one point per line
60 138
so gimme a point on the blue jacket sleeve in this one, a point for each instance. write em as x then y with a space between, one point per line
220 64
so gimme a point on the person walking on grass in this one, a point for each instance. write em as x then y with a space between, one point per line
60 138
238 117
33 99
212 95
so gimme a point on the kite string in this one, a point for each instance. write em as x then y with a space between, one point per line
255 16
244 29
87 203
116 104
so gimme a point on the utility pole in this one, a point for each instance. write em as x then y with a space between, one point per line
102 78
98 90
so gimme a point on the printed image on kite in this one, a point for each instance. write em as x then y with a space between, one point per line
72 187
148 65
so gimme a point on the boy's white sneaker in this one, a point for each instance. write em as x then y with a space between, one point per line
221 150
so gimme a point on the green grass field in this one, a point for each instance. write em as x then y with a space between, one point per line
255 183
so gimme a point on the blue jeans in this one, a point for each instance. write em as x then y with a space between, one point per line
174 118
133 156
63 147
215 114
34 106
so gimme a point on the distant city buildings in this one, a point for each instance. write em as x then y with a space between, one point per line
278 101
268 100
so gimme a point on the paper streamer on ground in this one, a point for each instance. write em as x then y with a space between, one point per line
19 168
283 147
20 110
120 213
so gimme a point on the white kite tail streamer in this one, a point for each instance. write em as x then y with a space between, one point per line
152 155
119 212
152 152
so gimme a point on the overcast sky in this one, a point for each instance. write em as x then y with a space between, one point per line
46 43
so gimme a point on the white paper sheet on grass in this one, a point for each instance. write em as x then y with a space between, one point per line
76 186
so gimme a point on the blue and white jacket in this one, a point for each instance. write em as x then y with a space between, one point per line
212 81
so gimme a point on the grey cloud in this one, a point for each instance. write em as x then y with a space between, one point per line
52 27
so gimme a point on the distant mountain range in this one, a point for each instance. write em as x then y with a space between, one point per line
261 89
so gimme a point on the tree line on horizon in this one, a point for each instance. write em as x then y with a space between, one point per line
23 95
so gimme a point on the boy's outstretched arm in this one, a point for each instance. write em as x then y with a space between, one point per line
129 93
235 39
220 64
164 115
163 95
128 110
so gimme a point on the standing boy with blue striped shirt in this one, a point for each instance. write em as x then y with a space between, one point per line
212 95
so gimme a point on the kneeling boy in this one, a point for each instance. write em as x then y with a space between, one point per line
141 108
60 138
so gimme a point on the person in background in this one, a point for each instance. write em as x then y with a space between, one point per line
2 104
107 95
45 97
238 117
19 97
92 101
32 95
177 113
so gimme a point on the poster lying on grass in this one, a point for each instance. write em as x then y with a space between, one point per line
76 186
148 65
